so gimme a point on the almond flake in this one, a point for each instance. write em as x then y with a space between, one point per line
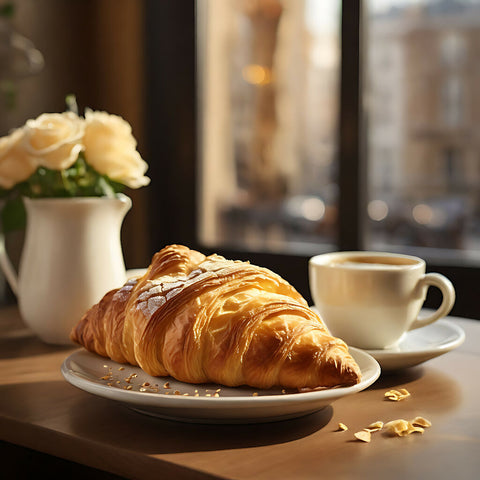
375 427
363 436
397 395
421 422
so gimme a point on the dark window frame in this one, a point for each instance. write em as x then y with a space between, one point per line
173 150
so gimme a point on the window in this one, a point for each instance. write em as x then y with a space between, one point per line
381 161
269 124
431 206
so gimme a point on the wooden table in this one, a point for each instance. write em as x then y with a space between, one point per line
39 410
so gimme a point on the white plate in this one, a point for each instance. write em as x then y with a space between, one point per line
108 379
418 346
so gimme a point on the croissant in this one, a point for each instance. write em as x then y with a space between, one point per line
210 320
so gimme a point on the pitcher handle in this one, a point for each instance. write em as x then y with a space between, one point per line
7 267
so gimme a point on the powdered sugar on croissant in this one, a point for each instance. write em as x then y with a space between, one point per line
207 319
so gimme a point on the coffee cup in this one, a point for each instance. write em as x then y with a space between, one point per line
372 299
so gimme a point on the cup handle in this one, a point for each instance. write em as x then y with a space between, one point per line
448 293
7 267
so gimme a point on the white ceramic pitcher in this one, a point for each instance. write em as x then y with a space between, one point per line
71 257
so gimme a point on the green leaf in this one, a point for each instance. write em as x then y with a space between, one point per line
7 10
8 90
71 102
13 216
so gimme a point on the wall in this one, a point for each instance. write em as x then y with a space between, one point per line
94 49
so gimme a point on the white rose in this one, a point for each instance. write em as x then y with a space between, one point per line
55 139
16 165
111 149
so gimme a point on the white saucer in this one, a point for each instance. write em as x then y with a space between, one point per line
420 345
214 403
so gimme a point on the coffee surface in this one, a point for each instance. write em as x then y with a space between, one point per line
368 260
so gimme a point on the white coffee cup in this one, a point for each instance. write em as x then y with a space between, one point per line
371 299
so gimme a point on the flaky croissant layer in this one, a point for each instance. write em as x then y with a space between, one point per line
210 320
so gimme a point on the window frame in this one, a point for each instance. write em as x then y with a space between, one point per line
173 149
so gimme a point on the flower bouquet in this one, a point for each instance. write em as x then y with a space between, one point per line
66 155
61 176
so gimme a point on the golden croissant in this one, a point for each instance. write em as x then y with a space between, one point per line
210 320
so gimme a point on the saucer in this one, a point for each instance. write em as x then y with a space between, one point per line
420 345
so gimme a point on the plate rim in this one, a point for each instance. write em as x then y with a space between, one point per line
159 400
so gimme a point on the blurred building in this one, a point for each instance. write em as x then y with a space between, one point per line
269 126
424 105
